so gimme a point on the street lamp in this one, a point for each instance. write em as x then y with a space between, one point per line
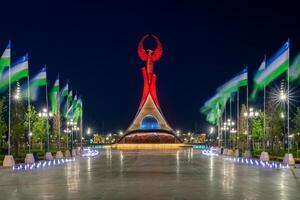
252 113
46 115
178 133
227 126
73 128
88 132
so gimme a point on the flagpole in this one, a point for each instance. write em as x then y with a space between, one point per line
28 104
9 108
81 127
230 121
247 99
264 147
58 115
67 105
47 125
288 103
237 118
225 138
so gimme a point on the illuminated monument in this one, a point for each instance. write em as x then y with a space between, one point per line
149 124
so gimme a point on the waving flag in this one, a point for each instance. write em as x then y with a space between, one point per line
18 70
275 66
235 83
65 91
258 73
40 79
54 96
5 59
295 69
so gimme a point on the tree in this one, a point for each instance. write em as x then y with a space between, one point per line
17 125
242 126
296 121
275 125
257 128
38 126
3 126
55 129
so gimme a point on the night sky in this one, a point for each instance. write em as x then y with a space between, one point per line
93 44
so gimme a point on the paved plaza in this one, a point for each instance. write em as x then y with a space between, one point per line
151 174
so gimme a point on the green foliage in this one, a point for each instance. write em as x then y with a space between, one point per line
275 124
3 126
242 120
257 127
296 121
55 128
17 125
38 126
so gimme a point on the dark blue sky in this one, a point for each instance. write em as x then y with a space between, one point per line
93 44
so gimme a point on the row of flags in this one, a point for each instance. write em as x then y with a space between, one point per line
269 70
11 73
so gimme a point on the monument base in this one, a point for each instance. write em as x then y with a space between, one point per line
230 152
225 152
67 153
59 155
78 150
8 161
289 159
48 156
29 158
73 152
248 154
237 153
264 156
149 146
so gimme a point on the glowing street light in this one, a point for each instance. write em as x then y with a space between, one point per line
45 114
121 133
17 95
211 130
282 116
88 131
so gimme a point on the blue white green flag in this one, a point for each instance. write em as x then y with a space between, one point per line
275 66
18 71
5 59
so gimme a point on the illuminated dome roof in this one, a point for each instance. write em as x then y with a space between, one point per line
149 122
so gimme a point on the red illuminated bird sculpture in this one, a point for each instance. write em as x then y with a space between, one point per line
149 55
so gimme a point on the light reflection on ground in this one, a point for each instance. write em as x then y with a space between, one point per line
150 174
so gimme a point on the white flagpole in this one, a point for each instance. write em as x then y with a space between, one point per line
237 118
47 105
247 99
288 102
230 121
58 114
264 147
81 124
265 115
28 104
9 107
225 121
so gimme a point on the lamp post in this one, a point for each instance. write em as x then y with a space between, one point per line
46 115
67 131
73 128
88 133
249 115
227 127
211 132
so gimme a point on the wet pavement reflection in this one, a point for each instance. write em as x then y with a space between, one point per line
150 174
